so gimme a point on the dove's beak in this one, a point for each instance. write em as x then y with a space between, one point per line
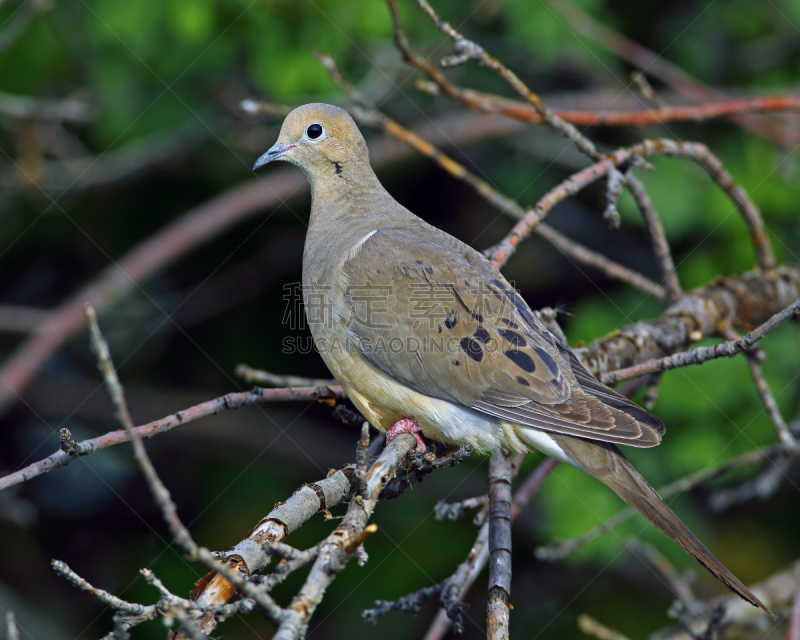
274 153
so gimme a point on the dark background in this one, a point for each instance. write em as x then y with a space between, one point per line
164 80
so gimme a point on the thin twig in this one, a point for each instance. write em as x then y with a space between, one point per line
592 627
259 376
700 153
658 237
754 359
453 511
159 492
466 49
118 604
490 103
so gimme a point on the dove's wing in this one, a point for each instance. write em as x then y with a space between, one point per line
447 324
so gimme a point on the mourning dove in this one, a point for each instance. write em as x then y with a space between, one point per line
425 334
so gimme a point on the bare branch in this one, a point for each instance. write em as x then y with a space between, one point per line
338 547
212 407
118 604
499 596
160 493
454 511
466 49
592 627
456 587
658 237
259 376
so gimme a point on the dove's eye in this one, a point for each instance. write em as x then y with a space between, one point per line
315 130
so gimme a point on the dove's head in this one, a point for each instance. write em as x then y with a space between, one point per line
318 138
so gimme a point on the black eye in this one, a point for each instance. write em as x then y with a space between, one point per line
314 131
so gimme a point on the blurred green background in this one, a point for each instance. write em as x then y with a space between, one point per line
164 133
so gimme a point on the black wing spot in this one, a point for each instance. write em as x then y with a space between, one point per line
548 360
450 322
513 337
439 329
482 335
455 362
429 269
476 316
509 323
521 359
338 167
523 381
472 348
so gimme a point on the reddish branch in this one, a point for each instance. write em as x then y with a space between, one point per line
489 103
726 349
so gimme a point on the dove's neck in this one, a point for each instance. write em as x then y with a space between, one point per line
345 207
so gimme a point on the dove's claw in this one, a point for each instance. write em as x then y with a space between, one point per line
407 425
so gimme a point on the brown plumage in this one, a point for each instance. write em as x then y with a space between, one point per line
416 325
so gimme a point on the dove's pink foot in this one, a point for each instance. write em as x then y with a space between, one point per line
407 425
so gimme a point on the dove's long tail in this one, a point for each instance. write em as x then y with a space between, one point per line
608 464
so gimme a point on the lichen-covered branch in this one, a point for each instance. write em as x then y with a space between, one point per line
341 545
738 301
251 555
